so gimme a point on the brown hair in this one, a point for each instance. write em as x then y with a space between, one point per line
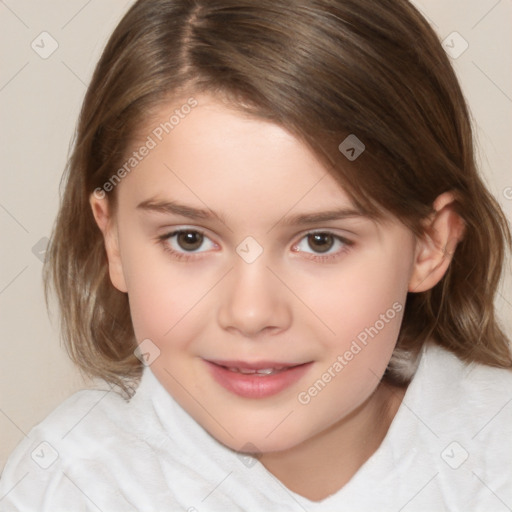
321 69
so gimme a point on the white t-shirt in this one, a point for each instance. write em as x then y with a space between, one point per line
449 447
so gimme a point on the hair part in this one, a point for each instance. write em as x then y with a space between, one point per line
321 69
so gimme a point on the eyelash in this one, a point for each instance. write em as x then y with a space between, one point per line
181 256
188 256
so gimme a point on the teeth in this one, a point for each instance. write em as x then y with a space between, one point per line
266 371
262 371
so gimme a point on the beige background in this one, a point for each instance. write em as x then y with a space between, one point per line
39 103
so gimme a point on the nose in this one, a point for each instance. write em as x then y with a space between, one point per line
254 301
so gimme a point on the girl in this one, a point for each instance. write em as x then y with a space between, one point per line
275 249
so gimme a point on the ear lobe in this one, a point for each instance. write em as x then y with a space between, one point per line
106 222
434 252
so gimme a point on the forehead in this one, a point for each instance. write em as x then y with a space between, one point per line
215 157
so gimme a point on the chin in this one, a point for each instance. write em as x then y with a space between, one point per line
260 439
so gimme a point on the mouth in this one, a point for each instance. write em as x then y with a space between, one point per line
256 380
262 372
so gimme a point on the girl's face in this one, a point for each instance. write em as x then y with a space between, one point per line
270 304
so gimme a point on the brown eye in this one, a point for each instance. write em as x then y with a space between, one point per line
320 242
189 240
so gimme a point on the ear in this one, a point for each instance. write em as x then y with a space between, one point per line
106 222
443 231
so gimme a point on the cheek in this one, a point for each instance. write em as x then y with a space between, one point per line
364 308
163 298
366 295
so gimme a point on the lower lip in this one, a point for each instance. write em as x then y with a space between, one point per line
256 386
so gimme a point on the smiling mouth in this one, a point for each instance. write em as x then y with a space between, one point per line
262 372
258 368
256 380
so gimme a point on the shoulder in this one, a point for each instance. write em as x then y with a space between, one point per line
467 401
100 451
458 418
464 390
83 419
41 468
448 447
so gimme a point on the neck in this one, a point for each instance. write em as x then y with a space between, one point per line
323 464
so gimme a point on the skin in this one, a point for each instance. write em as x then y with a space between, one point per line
291 304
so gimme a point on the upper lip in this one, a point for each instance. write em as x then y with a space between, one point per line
257 365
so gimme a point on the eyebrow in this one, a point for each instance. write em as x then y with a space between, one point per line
173 207
316 217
